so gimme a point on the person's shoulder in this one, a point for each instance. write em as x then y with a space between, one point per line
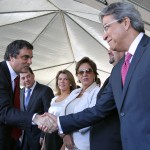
54 98
145 39
75 91
22 89
42 85
4 71
96 89
3 65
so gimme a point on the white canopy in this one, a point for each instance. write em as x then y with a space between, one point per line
62 32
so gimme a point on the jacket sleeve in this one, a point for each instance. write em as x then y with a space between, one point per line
89 116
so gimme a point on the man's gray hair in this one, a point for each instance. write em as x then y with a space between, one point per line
121 10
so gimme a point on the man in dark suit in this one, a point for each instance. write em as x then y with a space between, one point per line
39 101
105 135
124 31
18 57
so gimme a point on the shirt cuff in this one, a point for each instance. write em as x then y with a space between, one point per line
33 119
59 126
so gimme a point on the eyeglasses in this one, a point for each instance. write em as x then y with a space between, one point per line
87 71
106 26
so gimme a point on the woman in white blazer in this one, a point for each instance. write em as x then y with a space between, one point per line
79 99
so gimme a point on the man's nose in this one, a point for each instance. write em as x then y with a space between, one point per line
105 36
30 61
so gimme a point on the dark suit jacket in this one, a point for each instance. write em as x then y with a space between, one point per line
132 102
105 135
39 103
9 116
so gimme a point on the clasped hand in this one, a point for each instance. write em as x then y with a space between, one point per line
46 122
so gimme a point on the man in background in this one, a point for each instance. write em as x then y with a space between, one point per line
105 135
34 98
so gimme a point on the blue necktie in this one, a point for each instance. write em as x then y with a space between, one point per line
27 98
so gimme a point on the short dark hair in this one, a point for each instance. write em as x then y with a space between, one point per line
13 49
88 61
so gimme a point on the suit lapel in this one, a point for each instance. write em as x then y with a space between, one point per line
134 63
34 96
22 98
117 82
72 97
119 78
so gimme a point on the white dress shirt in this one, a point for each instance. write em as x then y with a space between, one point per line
134 45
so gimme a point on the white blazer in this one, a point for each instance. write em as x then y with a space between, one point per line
88 99
89 96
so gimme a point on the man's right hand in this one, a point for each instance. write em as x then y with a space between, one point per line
53 127
43 121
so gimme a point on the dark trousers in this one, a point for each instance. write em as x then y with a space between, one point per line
6 141
30 143
15 145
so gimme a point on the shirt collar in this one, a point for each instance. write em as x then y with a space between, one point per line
12 72
26 89
135 43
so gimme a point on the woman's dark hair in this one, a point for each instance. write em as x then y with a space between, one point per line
88 61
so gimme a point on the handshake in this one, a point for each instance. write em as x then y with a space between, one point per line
46 122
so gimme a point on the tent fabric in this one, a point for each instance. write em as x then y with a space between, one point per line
62 32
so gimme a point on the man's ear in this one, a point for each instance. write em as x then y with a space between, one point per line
11 58
127 23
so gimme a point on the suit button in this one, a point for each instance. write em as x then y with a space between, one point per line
122 114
